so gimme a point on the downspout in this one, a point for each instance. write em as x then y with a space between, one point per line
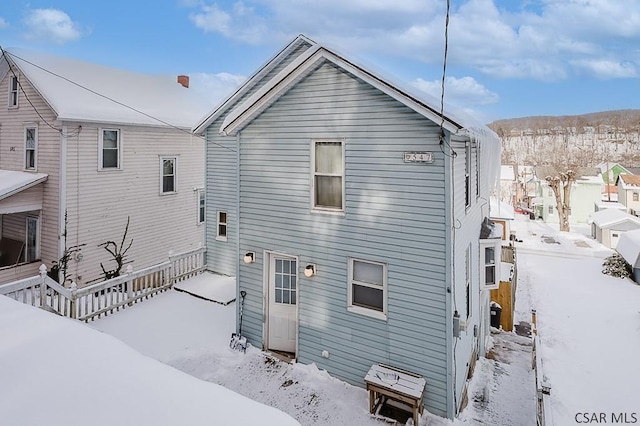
62 197
449 287
237 224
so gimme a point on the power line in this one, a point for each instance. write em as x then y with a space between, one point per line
105 97
444 73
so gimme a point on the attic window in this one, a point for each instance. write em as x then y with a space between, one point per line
13 91
328 175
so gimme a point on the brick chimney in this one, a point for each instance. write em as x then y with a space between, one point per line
184 80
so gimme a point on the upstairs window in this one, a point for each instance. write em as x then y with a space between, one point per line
467 174
221 232
368 288
477 153
110 150
13 91
635 196
168 175
30 147
328 176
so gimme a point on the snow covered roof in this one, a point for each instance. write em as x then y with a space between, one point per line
629 247
608 217
82 91
500 210
507 172
12 182
603 205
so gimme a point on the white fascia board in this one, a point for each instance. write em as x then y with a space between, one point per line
251 81
305 63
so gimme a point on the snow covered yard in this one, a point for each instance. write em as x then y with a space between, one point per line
192 335
589 325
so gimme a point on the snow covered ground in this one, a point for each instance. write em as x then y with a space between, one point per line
589 325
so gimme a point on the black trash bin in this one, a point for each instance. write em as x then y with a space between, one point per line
495 312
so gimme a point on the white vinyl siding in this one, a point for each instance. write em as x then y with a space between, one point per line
110 149
30 147
168 175
13 91
328 175
368 288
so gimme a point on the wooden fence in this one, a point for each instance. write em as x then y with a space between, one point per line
543 389
90 302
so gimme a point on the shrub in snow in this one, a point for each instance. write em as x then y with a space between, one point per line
616 266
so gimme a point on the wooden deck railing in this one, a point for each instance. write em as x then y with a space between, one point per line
93 301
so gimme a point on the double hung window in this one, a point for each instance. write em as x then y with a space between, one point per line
110 150
368 287
168 171
30 147
328 176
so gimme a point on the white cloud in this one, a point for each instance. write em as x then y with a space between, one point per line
543 40
464 92
241 22
3 23
603 68
51 25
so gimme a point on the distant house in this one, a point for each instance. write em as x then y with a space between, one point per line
84 148
336 199
629 248
629 193
502 214
585 192
508 184
608 225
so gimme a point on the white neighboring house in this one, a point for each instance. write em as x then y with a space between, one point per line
102 145
609 224
629 192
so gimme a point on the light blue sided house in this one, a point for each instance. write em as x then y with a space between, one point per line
351 223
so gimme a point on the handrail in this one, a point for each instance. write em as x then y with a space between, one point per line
543 388
95 300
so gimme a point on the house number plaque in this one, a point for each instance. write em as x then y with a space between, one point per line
418 157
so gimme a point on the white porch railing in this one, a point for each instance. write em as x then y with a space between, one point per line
102 298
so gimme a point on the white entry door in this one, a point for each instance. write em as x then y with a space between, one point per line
283 299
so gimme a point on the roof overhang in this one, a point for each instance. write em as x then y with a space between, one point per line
13 183
303 66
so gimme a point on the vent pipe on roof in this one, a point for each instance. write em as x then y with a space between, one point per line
183 80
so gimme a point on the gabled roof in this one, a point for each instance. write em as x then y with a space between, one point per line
633 170
87 92
629 181
629 247
252 81
313 58
12 182
609 217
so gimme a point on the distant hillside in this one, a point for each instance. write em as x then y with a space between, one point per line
600 136
628 119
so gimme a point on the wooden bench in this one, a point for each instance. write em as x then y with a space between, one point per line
384 381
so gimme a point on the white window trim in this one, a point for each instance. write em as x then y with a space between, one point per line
200 194
175 174
476 146
10 105
468 287
35 148
218 223
326 210
101 131
350 281
497 245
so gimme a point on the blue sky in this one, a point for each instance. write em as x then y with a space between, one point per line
507 58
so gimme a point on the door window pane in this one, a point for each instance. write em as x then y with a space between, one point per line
285 281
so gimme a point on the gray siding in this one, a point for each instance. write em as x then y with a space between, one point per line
221 179
395 213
